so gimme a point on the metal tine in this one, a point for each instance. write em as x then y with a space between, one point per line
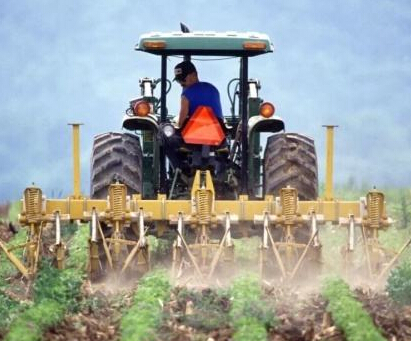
58 227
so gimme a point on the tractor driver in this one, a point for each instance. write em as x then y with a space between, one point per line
194 94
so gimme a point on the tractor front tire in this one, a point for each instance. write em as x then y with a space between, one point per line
290 160
116 157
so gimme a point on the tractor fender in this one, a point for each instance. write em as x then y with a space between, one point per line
148 122
259 124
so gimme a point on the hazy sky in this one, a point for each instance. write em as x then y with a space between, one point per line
344 62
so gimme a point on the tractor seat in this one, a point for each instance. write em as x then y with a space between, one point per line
183 150
223 151
220 150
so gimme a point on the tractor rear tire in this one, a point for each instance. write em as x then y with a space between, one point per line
116 157
290 160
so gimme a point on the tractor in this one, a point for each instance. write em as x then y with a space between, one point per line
232 160
227 188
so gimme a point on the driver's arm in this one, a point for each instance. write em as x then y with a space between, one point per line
183 111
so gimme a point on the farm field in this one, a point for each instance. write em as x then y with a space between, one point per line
66 305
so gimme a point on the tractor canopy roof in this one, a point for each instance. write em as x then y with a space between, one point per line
205 43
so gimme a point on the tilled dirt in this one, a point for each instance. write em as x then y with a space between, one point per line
98 320
7 230
394 321
196 316
203 315
302 317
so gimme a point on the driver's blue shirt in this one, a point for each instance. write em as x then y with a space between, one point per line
203 94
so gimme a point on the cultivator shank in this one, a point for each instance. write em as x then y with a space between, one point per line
117 218
289 252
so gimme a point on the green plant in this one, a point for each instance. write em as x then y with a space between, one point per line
399 283
9 309
348 313
7 269
55 293
159 248
31 323
141 320
250 315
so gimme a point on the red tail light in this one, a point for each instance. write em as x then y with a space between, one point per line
267 110
142 108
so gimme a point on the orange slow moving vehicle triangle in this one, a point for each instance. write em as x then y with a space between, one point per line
203 128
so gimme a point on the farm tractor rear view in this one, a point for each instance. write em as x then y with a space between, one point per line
226 189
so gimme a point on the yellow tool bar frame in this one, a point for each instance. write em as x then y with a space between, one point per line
163 209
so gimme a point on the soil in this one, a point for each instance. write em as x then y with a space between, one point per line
98 319
7 229
5 232
301 317
393 320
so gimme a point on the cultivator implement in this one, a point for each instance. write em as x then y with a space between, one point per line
280 221
204 229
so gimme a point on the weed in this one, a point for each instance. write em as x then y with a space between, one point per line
399 283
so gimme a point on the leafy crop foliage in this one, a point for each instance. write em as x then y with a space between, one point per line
399 283
55 293
9 309
348 313
141 320
249 315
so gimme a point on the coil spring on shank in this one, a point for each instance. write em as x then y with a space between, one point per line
288 201
33 199
203 206
374 208
118 204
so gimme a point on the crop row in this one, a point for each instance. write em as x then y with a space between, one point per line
142 318
348 313
249 314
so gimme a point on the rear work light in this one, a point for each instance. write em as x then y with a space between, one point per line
141 108
254 45
267 110
154 44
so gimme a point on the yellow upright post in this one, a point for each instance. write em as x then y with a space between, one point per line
76 160
329 191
